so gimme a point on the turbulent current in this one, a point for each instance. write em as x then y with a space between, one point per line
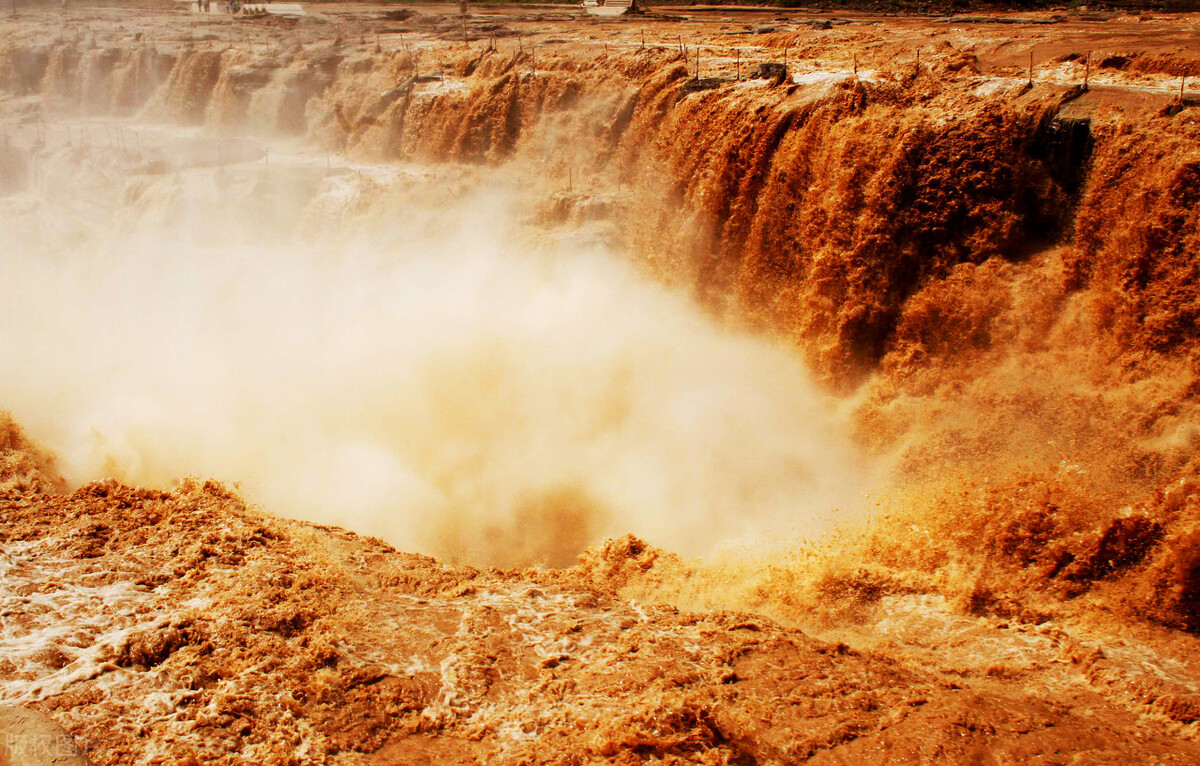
632 352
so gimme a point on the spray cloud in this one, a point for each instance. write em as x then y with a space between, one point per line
398 353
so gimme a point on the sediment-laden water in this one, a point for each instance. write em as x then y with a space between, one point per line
901 357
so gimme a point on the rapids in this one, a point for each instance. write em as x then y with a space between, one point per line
901 354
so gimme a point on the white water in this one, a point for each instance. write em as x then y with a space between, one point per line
391 350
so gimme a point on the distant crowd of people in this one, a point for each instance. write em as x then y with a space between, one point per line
231 7
247 10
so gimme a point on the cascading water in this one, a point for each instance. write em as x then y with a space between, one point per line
901 354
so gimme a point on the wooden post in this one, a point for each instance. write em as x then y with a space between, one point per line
1031 66
1087 70
1182 82
739 64
918 60
681 50
697 62
785 61
643 37
856 66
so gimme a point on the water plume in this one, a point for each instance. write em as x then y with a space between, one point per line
393 351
